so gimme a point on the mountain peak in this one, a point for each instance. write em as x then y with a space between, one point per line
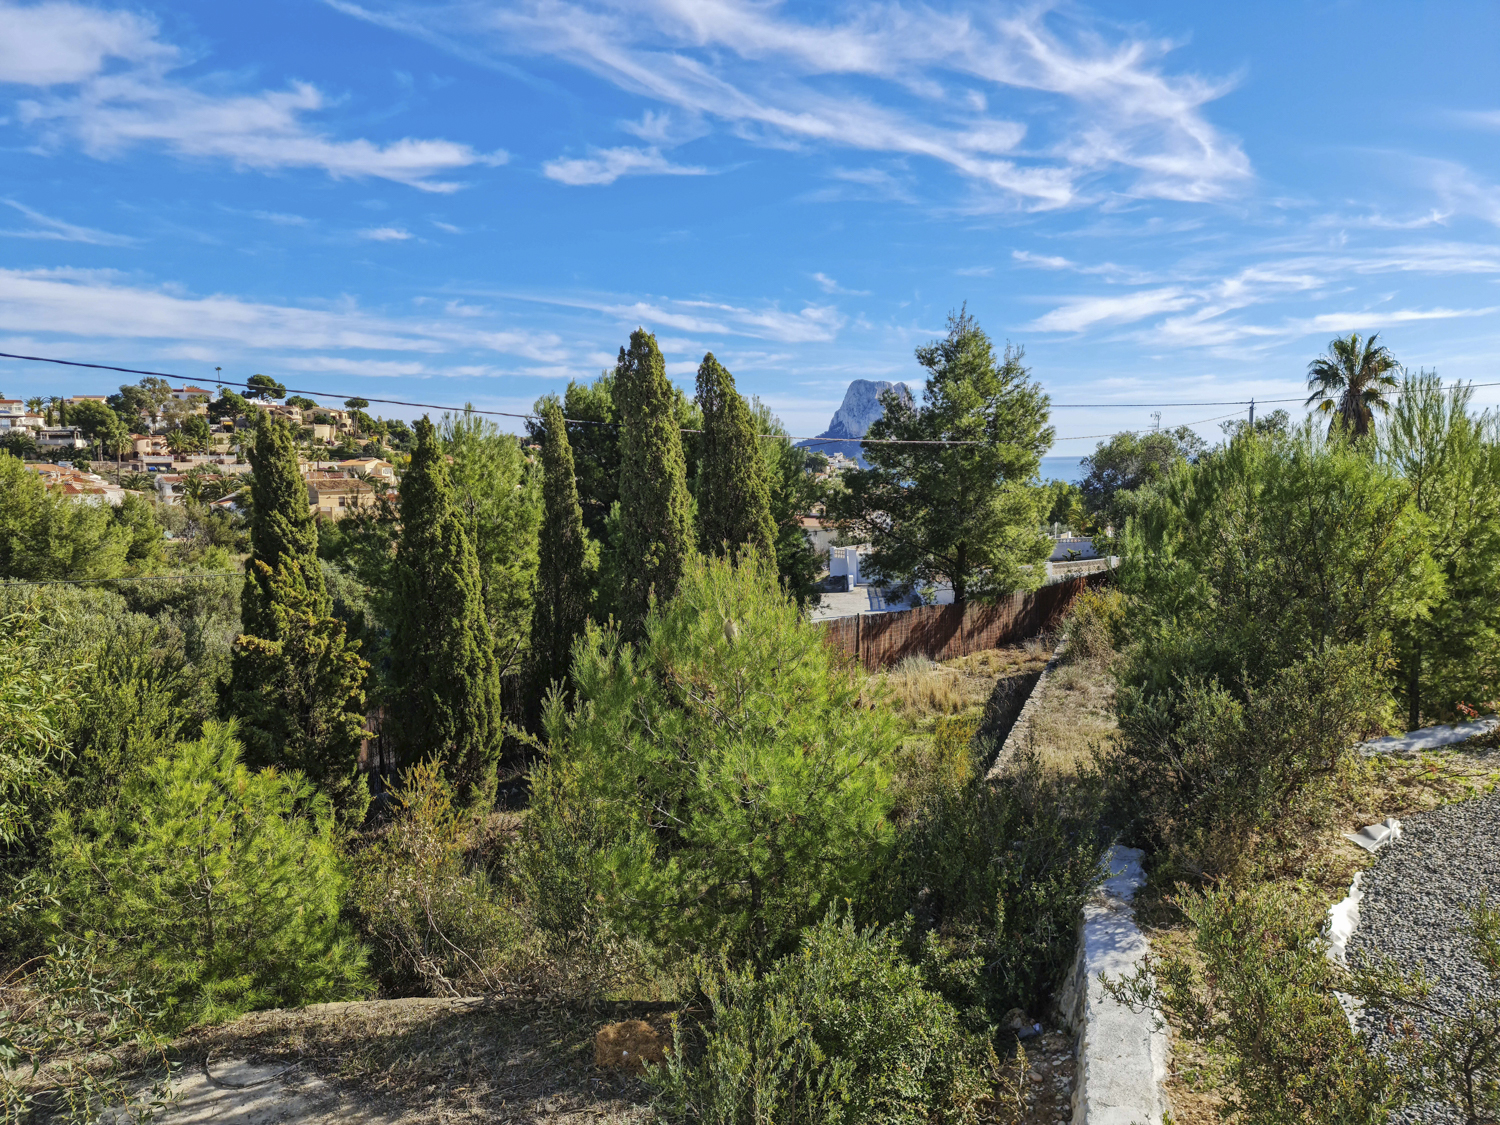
856 414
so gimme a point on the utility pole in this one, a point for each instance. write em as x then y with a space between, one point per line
1252 414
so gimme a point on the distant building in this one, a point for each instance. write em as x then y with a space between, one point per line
87 488
332 497
370 467
191 393
15 416
63 437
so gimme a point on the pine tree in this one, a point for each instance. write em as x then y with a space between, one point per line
734 495
655 512
297 681
567 559
446 683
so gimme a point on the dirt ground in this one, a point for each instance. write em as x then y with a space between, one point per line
409 1062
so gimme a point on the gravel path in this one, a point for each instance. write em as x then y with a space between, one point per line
1416 895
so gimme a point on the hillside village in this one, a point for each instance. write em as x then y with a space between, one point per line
152 455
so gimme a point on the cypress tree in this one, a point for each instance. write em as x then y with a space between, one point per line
297 681
734 495
566 558
446 682
655 513
282 530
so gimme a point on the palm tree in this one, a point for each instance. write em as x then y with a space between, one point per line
34 404
1351 382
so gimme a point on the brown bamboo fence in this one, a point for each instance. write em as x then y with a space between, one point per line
941 632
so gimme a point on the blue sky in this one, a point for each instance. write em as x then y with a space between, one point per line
475 201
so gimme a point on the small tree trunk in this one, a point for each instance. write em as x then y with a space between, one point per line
961 575
1414 688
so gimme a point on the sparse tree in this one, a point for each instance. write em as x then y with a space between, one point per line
567 560
297 682
264 387
965 513
446 684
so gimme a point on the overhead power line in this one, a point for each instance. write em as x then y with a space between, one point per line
589 422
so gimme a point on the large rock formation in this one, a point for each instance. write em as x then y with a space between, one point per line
854 417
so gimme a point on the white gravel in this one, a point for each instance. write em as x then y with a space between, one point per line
1416 895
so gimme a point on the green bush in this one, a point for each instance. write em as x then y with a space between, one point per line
1257 992
33 749
1206 767
994 875
1265 551
1093 624
435 921
217 888
842 1030
734 782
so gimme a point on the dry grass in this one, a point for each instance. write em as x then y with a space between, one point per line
1072 715
921 691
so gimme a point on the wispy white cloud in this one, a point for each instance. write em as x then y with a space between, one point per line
106 82
605 166
829 285
96 305
1085 312
56 230
1042 261
811 324
52 43
385 234
1125 126
281 218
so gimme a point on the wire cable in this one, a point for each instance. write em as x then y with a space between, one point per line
588 422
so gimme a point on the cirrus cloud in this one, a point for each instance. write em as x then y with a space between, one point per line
105 81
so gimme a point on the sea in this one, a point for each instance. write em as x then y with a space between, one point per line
1063 468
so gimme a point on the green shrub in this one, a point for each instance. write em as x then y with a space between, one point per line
436 923
33 748
994 874
1093 624
1265 551
842 1030
725 765
217 888
1205 767
1257 992
73 1041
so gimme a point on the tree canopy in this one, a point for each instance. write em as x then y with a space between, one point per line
734 496
1351 382
966 513
264 387
656 535
445 679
